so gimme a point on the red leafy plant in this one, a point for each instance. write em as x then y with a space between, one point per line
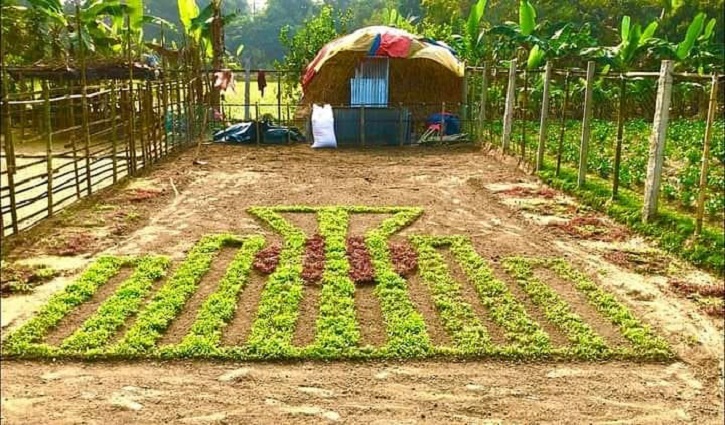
592 228
267 259
313 263
361 264
687 288
404 257
525 192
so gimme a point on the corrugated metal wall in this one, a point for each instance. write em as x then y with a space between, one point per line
370 85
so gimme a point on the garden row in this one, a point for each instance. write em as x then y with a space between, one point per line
337 329
683 153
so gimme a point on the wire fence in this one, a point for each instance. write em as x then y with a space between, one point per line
63 140
657 133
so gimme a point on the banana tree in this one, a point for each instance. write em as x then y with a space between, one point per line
696 51
634 42
100 21
523 36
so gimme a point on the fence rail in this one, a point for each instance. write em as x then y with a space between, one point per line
66 142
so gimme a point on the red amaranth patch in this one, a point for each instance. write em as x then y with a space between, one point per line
361 264
267 259
404 257
686 288
525 192
313 263
592 228
140 195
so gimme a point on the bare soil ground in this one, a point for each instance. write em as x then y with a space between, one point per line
463 192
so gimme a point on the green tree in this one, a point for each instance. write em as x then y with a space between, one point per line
303 45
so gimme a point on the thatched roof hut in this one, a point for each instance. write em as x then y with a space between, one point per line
421 74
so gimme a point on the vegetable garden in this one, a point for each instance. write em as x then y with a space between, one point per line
338 264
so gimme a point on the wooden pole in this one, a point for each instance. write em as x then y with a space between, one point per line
620 136
9 150
165 112
247 84
443 122
257 123
131 102
84 102
544 118
176 125
508 115
562 133
114 130
289 139
464 95
586 125
142 130
712 107
657 142
524 106
401 130
484 95
362 125
48 146
279 96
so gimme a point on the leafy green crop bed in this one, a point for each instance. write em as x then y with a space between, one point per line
683 153
337 328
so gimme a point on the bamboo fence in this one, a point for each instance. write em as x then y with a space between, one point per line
66 142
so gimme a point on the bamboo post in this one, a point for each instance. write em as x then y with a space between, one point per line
362 125
9 151
712 107
586 125
494 75
151 123
443 122
114 131
257 123
562 133
279 96
289 139
484 94
401 130
464 95
657 142
247 85
544 118
165 113
524 106
22 118
620 136
48 145
84 103
131 102
508 116
142 130
176 125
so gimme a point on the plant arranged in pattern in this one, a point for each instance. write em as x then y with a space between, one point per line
361 263
267 259
337 263
313 263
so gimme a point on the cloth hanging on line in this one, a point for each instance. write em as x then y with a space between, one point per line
261 81
223 80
